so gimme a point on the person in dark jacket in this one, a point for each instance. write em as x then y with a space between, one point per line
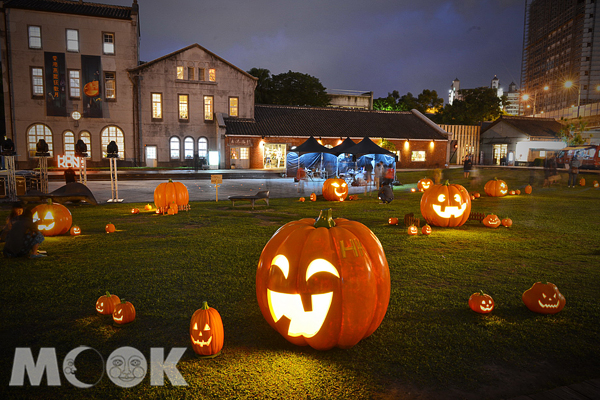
574 170
24 238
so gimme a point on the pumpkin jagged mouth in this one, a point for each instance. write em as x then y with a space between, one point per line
484 308
202 343
548 305
450 211
46 227
302 323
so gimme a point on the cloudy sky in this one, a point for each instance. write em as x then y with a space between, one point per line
366 45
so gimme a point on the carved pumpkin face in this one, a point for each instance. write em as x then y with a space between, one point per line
123 313
206 331
528 189
446 205
512 192
109 228
75 231
323 283
544 298
507 222
106 304
335 189
481 303
301 199
596 184
135 211
491 221
424 184
91 89
412 230
496 188
313 197
52 219
426 230
393 221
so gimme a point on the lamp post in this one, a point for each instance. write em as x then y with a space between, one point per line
568 85
526 97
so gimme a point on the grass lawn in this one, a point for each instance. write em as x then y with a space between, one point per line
429 344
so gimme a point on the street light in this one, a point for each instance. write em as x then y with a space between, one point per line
526 97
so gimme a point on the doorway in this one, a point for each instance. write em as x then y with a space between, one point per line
151 158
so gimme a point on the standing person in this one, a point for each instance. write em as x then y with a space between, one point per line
574 169
378 174
24 238
69 175
437 174
389 176
301 177
467 165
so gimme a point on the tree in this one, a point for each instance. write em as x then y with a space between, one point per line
263 91
572 134
296 88
426 102
386 144
477 105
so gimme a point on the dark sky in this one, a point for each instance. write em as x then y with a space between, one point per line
365 45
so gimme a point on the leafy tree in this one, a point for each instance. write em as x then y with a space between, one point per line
296 88
572 134
427 101
386 144
477 105
263 91
389 103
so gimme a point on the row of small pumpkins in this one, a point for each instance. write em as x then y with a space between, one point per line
206 326
493 188
543 298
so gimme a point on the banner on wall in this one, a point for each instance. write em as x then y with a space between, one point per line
91 74
55 84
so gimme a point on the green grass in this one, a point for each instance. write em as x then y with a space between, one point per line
430 342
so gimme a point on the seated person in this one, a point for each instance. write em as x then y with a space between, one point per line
24 238
386 194
17 210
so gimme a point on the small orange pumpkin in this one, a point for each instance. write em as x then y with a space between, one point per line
426 230
75 231
507 222
582 182
135 210
393 221
148 207
517 192
412 230
424 184
528 189
596 184
544 298
512 192
301 199
110 227
313 197
206 331
491 221
106 304
481 303
335 189
123 313
496 188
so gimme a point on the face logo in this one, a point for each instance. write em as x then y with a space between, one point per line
503 188
426 185
127 366
305 319
201 334
48 221
450 211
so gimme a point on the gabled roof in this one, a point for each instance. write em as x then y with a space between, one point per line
73 7
536 127
294 121
149 63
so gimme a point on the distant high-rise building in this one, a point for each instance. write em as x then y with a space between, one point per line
455 94
512 96
561 54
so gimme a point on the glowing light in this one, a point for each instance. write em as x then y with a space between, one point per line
406 145
320 265
282 263
302 323
450 211
569 84
431 144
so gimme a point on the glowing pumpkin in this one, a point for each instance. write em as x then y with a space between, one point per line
393 221
413 190
148 207
110 227
491 221
335 189
544 298
481 303
424 184
167 193
528 189
496 188
412 230
52 218
582 182
512 192
106 304
91 89
123 313
206 331
75 231
313 197
323 283
301 199
507 222
446 205
596 184
426 230
135 210
477 195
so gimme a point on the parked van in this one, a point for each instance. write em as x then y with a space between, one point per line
589 155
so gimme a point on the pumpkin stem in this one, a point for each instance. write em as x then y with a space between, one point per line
108 294
325 220
204 306
447 183
481 291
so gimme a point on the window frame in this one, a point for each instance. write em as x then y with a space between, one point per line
212 74
106 90
237 106
179 76
415 156
30 37
33 85
114 45
46 134
202 74
187 140
67 30
71 95
211 106
172 140
87 141
202 140
119 137
187 107
152 108
71 151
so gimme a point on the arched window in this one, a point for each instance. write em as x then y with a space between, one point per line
109 134
174 146
69 143
87 139
202 147
34 134
188 148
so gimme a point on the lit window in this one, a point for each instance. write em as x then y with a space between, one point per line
110 85
202 147
208 108
69 143
156 106
74 83
34 134
201 74
190 73
233 106
109 134
87 139
244 153
183 107
179 72
72 40
37 82
35 37
212 75
108 43
188 148
174 148
417 156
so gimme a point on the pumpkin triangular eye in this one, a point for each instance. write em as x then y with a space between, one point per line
195 326
544 295
206 327
35 217
48 215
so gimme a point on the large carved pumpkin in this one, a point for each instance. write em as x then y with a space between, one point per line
52 218
123 313
91 89
106 304
335 189
544 298
323 283
446 205
496 188
206 331
424 184
171 192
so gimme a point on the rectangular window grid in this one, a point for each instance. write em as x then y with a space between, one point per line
74 83
183 106
35 37
179 72
233 106
72 40
212 75
108 43
156 105
110 85
208 108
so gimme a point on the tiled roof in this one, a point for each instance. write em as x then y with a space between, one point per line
72 7
295 121
537 127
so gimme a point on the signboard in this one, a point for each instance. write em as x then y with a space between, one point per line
68 162
91 71
216 179
240 142
56 84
